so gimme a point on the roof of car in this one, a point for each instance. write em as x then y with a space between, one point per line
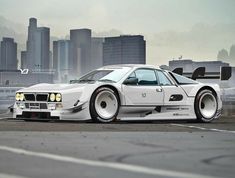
130 65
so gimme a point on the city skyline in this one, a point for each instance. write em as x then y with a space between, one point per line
70 58
172 28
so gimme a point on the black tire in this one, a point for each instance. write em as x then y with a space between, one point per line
205 106
96 107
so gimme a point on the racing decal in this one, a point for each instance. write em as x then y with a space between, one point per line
172 108
178 108
178 114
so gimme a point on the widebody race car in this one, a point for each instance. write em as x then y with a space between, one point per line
121 92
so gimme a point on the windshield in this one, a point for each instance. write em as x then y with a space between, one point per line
105 75
181 80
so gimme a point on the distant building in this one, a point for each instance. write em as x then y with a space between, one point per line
55 58
23 59
189 65
8 59
96 53
50 60
61 59
80 51
13 80
124 50
38 46
43 43
212 69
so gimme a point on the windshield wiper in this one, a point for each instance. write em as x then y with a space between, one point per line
85 80
73 81
106 80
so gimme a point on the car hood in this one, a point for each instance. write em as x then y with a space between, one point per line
44 87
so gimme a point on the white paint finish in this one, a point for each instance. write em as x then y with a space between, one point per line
203 128
112 165
143 95
129 95
176 90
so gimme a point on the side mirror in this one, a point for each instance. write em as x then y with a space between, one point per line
73 81
131 81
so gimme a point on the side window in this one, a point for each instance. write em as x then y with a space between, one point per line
163 80
146 77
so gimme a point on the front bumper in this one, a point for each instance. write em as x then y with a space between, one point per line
79 112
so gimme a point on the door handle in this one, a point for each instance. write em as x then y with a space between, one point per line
158 90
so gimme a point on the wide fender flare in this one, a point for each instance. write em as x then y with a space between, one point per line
192 91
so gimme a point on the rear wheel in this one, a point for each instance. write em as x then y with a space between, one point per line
205 106
104 105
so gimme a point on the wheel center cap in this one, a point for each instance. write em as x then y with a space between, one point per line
103 104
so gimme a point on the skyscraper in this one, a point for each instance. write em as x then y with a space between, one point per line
96 53
8 60
125 49
80 51
30 45
37 46
61 59
23 60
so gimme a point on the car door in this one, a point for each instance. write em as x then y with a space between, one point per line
173 94
146 91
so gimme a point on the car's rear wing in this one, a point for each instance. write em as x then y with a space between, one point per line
200 73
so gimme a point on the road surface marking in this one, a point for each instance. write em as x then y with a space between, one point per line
113 165
203 128
3 175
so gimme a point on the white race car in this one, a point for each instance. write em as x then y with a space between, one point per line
123 92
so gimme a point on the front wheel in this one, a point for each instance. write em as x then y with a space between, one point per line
104 105
205 106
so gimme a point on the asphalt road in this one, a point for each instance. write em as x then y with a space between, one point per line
118 150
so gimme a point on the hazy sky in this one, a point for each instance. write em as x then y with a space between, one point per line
148 17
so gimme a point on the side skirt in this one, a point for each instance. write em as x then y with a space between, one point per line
154 113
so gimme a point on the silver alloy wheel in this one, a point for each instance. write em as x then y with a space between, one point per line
106 104
208 105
